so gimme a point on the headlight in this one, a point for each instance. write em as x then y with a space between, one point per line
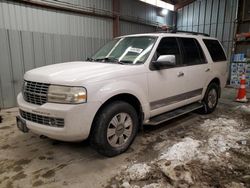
68 95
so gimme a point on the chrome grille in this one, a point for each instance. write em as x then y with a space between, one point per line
35 92
49 121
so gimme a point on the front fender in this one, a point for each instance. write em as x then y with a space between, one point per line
125 87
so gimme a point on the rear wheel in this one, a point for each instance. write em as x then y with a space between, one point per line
115 128
210 99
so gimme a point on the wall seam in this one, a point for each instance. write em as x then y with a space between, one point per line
199 16
22 53
205 12
11 65
193 17
212 4
216 30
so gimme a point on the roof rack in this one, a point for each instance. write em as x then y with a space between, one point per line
188 32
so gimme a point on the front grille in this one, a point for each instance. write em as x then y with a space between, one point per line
35 92
49 121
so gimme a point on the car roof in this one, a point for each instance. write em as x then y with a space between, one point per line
162 34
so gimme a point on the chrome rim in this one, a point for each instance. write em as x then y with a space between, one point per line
212 98
119 129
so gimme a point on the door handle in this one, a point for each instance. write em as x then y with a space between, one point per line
208 69
180 74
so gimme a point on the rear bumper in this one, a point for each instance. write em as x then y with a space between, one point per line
77 119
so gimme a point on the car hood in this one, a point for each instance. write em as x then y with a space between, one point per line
79 72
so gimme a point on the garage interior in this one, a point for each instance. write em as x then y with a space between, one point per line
204 150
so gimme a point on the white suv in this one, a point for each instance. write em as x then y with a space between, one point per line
131 81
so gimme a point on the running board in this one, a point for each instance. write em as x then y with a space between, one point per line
173 114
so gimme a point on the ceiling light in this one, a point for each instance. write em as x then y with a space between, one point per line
159 3
164 12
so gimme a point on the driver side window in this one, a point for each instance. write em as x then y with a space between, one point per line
169 46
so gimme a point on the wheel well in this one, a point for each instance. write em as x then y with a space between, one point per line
131 99
217 81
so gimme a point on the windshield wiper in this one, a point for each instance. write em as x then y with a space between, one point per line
109 59
89 59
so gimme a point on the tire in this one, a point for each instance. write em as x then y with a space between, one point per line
210 99
115 128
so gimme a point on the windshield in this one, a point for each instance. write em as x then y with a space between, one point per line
128 50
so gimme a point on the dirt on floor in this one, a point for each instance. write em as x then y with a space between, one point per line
202 151
191 151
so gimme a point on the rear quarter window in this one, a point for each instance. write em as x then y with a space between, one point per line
215 49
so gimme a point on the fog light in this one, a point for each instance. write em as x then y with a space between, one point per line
20 125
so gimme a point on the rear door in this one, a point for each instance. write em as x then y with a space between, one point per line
196 66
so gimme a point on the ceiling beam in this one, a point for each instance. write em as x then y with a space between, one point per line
169 1
182 4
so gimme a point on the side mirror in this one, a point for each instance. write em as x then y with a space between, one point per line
165 61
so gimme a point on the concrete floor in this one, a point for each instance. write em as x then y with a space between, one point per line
26 160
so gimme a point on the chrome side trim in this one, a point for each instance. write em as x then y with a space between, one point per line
175 99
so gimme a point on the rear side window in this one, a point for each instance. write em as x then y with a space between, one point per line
215 50
192 52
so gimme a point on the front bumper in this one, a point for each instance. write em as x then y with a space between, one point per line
77 119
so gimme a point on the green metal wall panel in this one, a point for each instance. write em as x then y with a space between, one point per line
214 17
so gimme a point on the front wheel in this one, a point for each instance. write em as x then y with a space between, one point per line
210 99
115 128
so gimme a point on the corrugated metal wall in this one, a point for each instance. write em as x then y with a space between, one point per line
98 4
31 37
214 17
132 28
140 10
